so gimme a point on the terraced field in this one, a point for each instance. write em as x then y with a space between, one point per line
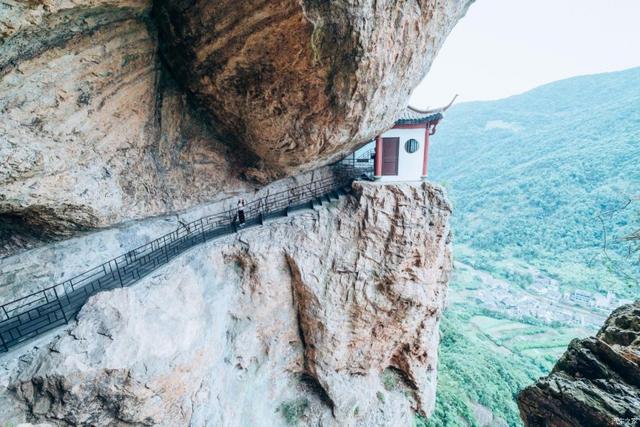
526 340
486 357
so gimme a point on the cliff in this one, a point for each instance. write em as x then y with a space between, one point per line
595 383
121 110
93 131
328 317
96 128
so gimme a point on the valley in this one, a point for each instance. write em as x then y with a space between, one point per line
542 302
544 192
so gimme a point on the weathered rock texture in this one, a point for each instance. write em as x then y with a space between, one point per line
302 82
327 318
595 383
314 315
93 131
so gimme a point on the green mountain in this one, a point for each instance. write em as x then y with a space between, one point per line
537 176
543 186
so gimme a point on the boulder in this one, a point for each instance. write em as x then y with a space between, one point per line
297 84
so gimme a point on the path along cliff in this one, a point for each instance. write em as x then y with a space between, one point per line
329 317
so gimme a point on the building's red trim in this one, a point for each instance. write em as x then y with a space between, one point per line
415 125
425 159
378 159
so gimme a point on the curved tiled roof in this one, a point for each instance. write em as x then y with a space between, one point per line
415 117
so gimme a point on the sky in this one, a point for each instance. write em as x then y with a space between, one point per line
505 47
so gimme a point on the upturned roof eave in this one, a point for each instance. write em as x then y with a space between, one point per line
420 121
427 116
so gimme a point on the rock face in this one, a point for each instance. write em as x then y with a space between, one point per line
595 383
302 82
93 131
329 317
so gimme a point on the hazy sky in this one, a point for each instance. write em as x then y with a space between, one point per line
505 47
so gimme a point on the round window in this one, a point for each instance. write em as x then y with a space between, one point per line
411 146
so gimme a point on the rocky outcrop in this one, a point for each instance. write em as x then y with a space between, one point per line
94 130
595 383
329 317
299 83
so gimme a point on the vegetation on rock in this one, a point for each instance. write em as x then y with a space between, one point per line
293 410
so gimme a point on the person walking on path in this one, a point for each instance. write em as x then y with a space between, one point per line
241 217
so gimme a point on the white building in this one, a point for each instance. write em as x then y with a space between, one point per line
582 297
604 301
402 152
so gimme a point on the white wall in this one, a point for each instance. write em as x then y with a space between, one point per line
409 165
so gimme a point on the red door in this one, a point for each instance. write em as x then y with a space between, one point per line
390 148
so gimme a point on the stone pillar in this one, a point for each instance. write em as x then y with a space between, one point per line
378 161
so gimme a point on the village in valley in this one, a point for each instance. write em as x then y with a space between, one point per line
542 301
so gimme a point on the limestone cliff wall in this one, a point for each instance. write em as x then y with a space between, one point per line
94 130
118 110
300 82
595 383
329 317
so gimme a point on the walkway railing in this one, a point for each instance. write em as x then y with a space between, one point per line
41 311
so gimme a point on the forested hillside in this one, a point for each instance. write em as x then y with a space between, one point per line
543 186
535 176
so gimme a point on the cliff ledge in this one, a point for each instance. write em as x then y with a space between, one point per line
329 317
